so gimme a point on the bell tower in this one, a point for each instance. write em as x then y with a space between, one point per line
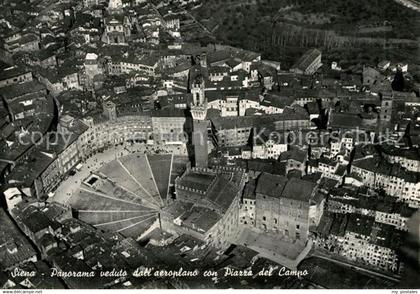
199 113
197 91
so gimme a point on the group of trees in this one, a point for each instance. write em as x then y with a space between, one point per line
258 25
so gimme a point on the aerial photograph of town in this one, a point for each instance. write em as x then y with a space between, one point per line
209 144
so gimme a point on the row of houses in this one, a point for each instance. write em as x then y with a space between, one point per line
394 179
361 240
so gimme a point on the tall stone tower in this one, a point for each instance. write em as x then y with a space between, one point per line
197 91
199 113
386 107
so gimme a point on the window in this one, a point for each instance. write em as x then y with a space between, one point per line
264 218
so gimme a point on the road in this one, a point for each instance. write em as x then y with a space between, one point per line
361 269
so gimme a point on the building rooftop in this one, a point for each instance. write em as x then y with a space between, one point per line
387 236
12 72
306 60
19 90
294 154
28 171
262 165
377 165
258 120
222 193
200 219
280 187
14 248
198 181
298 189
332 223
271 185
360 224
173 100
248 94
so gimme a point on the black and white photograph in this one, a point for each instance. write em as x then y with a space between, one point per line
209 144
